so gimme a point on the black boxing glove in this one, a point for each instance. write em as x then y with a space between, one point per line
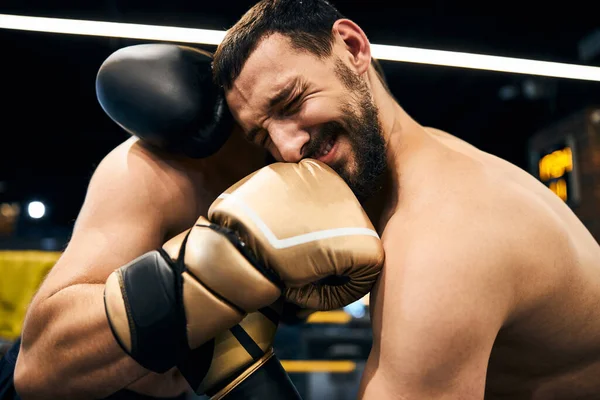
164 94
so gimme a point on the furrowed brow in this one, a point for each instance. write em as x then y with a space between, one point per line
283 94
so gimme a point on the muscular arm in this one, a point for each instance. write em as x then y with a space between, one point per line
68 350
443 297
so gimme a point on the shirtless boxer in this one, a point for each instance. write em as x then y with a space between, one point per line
491 286
140 197
128 210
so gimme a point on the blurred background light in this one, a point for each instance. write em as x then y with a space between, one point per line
356 309
36 209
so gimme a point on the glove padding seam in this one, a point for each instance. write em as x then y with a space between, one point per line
240 246
237 308
127 311
180 267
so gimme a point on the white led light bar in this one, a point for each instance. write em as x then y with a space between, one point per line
111 29
382 52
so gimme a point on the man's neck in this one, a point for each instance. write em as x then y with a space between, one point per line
402 135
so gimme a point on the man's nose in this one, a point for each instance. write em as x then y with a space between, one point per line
289 139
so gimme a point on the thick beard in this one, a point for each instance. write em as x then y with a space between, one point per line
363 129
360 124
363 174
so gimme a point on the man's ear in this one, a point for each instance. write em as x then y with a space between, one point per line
356 43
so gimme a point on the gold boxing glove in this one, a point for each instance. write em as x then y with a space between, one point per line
170 301
295 229
304 223
240 363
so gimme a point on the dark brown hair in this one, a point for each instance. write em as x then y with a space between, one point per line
307 23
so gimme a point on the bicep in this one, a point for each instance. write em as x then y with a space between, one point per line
119 220
425 362
437 312
441 355
428 351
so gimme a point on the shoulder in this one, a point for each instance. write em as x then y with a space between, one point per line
131 162
445 291
133 179
480 236
448 236
477 211
133 205
461 241
135 186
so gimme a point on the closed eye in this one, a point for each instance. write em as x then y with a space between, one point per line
291 107
258 136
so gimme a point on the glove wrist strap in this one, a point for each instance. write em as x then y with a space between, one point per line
151 288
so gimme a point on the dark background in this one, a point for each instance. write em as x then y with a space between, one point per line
54 133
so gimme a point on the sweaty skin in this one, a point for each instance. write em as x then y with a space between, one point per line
491 287
137 199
